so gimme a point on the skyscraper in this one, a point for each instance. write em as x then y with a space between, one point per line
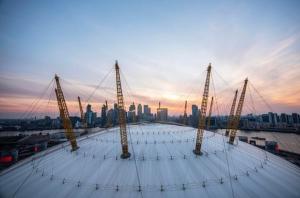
162 113
195 115
273 118
140 111
115 116
90 116
146 110
147 113
103 115
295 117
131 113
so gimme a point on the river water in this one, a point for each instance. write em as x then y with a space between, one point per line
286 141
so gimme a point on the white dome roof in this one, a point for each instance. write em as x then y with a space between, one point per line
164 166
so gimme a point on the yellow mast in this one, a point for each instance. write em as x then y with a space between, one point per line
231 115
64 115
201 126
238 112
83 121
122 117
209 114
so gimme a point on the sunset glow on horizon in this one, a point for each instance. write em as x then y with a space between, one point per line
163 50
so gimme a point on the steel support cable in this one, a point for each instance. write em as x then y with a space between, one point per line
109 91
229 85
32 106
216 99
132 148
30 174
135 163
266 103
78 86
271 109
37 108
251 98
177 147
149 188
224 145
220 149
67 94
82 93
50 97
192 90
231 186
89 146
127 91
100 83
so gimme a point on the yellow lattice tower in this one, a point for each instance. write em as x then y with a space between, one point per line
202 116
238 113
122 117
64 115
83 120
209 114
231 115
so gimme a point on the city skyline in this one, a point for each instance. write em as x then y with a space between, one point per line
162 60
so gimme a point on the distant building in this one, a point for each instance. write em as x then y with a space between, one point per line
110 115
250 122
90 116
131 113
265 118
296 117
195 115
147 116
104 115
147 110
289 119
273 118
283 118
115 116
140 111
162 113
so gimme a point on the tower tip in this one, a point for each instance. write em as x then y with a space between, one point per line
209 67
116 64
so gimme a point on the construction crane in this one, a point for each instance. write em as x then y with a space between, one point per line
83 121
184 114
209 114
64 115
122 117
231 115
201 126
238 112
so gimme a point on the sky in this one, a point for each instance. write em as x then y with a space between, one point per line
163 48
